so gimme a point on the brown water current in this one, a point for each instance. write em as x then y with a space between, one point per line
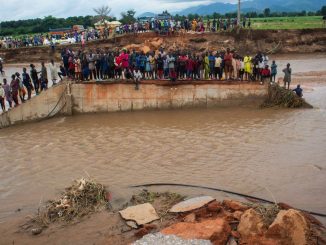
267 153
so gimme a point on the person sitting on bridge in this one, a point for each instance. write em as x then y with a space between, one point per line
265 74
137 77
299 91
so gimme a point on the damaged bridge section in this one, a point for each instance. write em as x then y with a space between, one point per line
74 98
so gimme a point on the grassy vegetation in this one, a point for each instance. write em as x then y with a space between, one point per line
283 23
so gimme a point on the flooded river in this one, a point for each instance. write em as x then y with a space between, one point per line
266 153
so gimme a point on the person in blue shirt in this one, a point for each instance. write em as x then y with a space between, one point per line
273 71
211 59
299 91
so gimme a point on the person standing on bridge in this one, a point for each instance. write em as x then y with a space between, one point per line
1 68
287 76
2 98
247 66
44 77
21 91
14 87
6 88
53 72
273 71
34 76
27 83
228 57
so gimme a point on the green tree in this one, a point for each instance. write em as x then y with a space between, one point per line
128 17
323 10
267 12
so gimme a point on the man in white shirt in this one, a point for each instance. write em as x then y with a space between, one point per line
2 98
218 68
137 77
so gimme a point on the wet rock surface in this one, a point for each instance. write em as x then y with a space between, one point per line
216 230
160 239
191 204
141 214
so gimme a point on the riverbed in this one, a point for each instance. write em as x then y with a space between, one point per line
271 153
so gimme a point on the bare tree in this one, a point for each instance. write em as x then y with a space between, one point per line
102 13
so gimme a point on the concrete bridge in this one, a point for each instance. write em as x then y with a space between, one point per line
68 98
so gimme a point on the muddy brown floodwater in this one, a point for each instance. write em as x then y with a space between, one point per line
266 153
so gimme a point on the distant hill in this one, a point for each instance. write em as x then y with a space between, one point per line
258 6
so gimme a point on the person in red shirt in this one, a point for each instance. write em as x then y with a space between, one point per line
228 64
190 67
124 57
265 74
117 66
14 86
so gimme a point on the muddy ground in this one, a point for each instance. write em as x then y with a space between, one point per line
251 41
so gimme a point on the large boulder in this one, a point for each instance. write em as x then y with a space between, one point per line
251 224
290 227
215 230
235 205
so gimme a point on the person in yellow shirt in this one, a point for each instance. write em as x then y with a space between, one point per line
247 66
206 66
194 25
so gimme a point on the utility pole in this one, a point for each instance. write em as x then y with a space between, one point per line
239 14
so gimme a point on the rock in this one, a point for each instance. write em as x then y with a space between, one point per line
132 224
36 231
234 205
259 240
191 204
251 224
141 232
136 47
150 227
226 215
156 44
190 218
145 49
237 215
201 213
290 226
216 230
284 206
232 241
235 234
160 239
214 207
141 214
125 229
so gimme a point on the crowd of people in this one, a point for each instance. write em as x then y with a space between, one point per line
165 27
47 39
105 64
98 65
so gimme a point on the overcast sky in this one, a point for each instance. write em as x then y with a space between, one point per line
26 9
